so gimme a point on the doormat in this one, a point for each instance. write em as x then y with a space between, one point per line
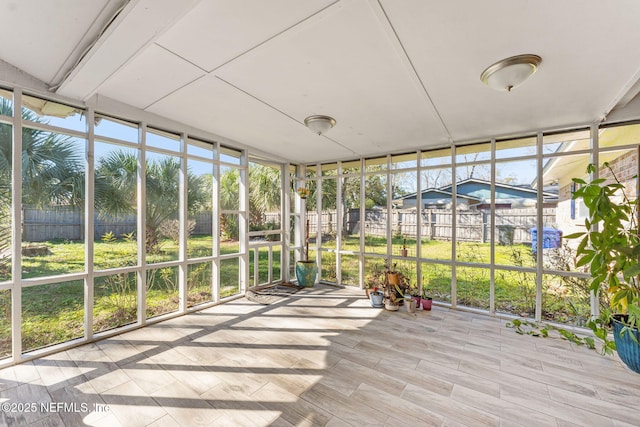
269 294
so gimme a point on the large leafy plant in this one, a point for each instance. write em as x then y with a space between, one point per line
610 247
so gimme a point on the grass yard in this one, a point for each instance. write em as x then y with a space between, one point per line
54 313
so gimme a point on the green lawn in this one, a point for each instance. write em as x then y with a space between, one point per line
54 313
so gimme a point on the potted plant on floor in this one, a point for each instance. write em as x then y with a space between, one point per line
610 246
306 270
395 286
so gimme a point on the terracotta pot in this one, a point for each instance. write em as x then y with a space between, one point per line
393 278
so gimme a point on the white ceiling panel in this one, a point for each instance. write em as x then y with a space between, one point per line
38 36
358 77
210 103
134 29
150 76
215 32
586 59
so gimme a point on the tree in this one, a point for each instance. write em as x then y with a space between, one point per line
52 172
116 183
229 200
265 185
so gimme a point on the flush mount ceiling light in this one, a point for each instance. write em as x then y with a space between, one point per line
510 72
319 124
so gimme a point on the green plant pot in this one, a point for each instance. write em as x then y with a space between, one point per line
628 349
306 272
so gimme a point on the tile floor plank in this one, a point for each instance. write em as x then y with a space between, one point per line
324 357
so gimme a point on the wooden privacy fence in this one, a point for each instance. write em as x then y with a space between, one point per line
473 225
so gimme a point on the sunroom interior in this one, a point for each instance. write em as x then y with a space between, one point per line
154 163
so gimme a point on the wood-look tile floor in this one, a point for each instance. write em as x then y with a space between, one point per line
322 357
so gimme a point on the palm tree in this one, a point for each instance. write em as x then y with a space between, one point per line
116 183
264 191
52 172
229 200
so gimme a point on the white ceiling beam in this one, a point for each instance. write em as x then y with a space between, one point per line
139 24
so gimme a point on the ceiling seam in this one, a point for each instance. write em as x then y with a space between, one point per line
90 46
273 36
279 111
415 72
181 86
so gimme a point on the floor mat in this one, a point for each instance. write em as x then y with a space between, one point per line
271 293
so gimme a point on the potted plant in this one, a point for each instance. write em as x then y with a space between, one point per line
610 247
396 288
306 270
376 298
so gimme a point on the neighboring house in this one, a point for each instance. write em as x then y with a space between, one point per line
570 213
475 193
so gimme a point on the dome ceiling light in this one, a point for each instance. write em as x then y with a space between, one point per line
319 124
511 72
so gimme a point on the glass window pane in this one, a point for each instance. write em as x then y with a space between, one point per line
53 203
375 226
200 204
566 299
116 193
350 270
329 169
351 218
162 217
473 153
516 213
516 147
265 200
473 287
200 148
329 272
6 103
229 155
563 142
162 291
473 194
404 161
229 277
351 167
115 301
116 128
436 211
52 314
515 292
162 139
437 157
375 164
53 113
199 283
229 188
436 281
5 323
6 153
229 234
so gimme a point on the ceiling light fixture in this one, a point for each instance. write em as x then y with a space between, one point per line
319 124
510 72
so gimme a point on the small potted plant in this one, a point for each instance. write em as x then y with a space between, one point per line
426 300
610 247
376 298
403 251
